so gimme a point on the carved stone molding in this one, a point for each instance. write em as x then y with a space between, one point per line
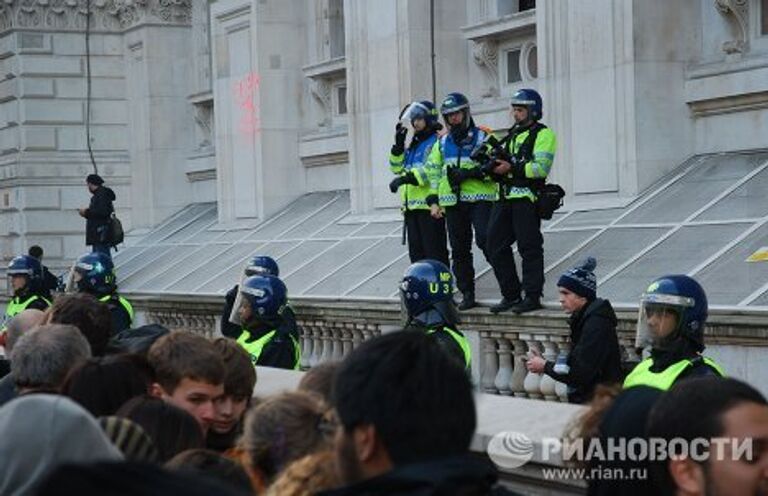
485 53
112 15
738 12
321 91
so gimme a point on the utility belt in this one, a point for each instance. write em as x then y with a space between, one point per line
549 197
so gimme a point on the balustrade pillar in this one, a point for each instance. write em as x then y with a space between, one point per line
504 374
490 363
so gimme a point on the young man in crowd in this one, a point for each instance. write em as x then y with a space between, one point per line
239 380
407 415
704 409
189 374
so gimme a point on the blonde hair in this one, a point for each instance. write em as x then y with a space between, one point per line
307 476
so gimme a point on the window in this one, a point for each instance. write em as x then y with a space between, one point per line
513 66
506 7
532 62
764 17
336 27
341 100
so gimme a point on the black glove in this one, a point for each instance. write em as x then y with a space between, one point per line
400 133
474 173
407 178
518 169
454 176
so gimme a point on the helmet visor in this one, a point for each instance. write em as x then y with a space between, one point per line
415 110
74 275
660 320
234 315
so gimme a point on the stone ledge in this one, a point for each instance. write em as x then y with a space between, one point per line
723 327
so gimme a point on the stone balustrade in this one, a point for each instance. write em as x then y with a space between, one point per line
330 329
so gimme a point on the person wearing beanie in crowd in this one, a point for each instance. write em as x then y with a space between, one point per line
595 356
98 214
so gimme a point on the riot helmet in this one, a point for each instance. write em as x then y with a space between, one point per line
261 299
531 100
420 110
93 273
673 308
261 265
453 103
28 268
426 294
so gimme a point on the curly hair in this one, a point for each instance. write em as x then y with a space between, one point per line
307 476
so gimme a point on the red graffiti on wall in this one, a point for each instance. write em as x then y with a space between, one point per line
245 90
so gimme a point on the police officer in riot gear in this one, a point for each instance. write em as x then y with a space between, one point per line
673 312
265 334
94 273
426 234
461 190
25 283
258 265
514 218
426 293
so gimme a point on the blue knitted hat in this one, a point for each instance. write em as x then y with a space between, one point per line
581 279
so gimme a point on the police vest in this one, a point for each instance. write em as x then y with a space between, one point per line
15 306
414 196
642 375
461 340
535 146
254 348
123 302
448 154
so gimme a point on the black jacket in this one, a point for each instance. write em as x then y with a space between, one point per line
97 216
121 319
461 475
595 356
280 351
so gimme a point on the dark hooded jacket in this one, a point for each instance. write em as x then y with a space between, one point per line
98 216
595 356
454 476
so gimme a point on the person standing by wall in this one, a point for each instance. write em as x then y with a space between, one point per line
98 214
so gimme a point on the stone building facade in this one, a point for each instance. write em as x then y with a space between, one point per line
253 103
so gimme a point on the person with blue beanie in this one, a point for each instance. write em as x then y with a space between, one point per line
595 356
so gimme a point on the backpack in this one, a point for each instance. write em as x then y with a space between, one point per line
116 233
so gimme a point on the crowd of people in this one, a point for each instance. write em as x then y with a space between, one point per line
90 403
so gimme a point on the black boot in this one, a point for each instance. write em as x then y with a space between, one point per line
467 301
505 304
529 304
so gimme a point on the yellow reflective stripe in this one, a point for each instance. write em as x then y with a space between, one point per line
123 302
254 348
15 306
461 340
642 375
296 353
